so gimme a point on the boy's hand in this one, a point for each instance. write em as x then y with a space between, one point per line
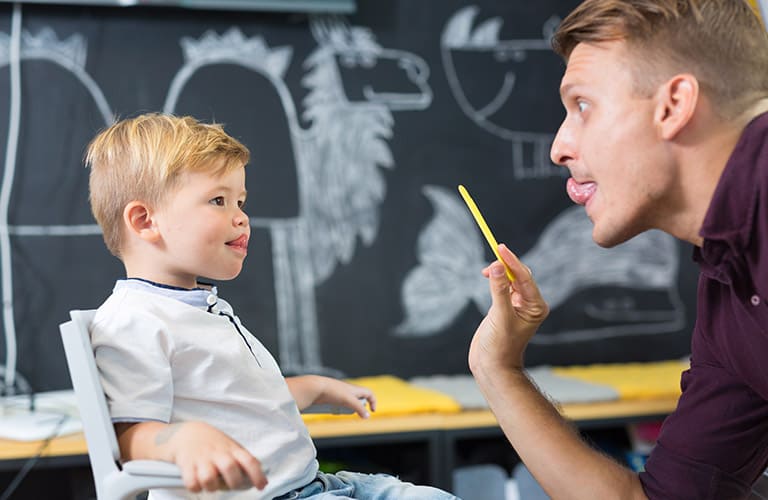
317 390
338 392
209 459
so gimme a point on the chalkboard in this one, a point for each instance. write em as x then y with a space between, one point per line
363 259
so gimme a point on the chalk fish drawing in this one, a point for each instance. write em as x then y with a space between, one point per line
593 292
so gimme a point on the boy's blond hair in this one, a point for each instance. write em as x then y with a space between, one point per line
142 159
721 42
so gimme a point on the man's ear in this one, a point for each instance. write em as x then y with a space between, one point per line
138 220
676 104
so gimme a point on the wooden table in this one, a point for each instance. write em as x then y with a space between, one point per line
439 431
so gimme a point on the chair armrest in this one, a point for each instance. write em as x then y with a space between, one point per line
152 468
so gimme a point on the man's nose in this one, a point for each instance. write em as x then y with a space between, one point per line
563 150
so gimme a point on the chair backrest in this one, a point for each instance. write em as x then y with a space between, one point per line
103 450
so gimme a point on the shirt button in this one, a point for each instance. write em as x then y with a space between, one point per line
755 300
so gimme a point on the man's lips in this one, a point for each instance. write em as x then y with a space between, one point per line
580 192
241 242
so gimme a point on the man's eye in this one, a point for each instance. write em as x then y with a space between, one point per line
218 201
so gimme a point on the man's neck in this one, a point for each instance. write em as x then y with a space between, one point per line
704 158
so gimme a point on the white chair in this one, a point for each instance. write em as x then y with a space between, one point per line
113 480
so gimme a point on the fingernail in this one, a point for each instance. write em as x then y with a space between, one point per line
497 271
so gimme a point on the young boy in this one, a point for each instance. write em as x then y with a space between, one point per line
185 381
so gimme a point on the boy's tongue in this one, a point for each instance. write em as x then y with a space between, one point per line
580 192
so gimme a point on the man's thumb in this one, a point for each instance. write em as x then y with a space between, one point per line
499 283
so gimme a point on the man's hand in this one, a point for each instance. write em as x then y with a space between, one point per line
516 312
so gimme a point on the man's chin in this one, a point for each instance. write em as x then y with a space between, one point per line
609 239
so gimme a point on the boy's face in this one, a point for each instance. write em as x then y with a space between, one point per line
203 228
620 169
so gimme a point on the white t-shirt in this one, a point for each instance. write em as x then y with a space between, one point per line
167 354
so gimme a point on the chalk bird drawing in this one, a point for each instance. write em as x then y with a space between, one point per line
495 102
593 292
53 173
338 159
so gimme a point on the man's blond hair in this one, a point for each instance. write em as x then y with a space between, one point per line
142 159
721 42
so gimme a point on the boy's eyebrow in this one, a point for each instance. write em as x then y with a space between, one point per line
223 187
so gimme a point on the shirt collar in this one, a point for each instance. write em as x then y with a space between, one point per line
197 297
731 212
727 226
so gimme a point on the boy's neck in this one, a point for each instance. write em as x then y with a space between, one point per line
160 276
198 286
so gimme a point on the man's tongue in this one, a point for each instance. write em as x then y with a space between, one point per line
580 192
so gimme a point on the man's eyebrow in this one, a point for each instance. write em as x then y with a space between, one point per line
566 89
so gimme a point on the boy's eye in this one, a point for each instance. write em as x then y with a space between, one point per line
582 106
240 203
218 201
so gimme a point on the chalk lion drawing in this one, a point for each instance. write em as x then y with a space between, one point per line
338 159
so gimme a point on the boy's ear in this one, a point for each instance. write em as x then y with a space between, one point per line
676 104
138 220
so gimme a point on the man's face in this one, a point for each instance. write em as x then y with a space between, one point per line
609 141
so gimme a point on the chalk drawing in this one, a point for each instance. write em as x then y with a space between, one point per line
565 262
505 60
70 54
338 157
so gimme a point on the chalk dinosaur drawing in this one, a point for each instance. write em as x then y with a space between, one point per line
501 62
338 159
17 48
638 277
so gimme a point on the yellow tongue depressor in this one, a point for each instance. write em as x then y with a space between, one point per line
484 228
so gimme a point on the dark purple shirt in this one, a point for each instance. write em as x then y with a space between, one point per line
715 445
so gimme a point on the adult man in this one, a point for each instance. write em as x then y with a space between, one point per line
664 128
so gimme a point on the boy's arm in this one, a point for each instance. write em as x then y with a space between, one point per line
209 459
315 389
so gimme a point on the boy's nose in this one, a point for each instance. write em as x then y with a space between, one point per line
241 218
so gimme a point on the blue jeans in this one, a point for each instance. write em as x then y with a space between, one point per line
355 485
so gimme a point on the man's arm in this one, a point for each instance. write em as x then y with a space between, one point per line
209 459
563 464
